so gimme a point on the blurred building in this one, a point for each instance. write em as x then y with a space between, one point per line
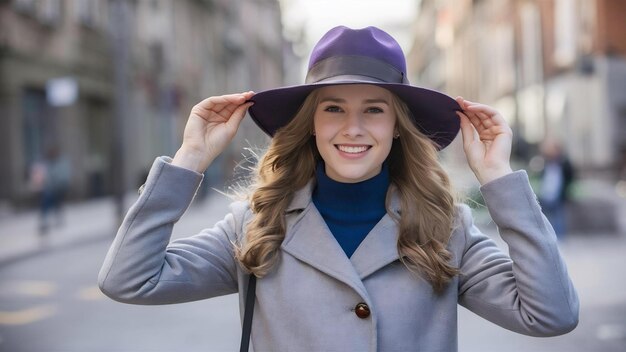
553 68
111 82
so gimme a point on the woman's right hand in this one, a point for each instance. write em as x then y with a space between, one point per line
212 124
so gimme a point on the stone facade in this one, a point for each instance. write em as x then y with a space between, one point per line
554 68
138 70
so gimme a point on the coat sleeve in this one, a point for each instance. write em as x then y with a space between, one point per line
143 267
529 290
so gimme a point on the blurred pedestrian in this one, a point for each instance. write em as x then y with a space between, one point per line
351 226
50 179
557 175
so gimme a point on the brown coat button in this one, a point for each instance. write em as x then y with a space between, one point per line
362 310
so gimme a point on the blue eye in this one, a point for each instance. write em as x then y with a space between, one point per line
332 108
374 110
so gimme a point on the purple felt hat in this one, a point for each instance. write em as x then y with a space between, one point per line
360 56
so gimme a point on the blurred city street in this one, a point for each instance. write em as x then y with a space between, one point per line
49 300
91 91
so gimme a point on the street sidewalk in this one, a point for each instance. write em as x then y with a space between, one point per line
89 221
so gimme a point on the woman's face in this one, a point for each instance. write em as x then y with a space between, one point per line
354 129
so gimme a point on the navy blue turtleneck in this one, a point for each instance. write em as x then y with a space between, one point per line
351 210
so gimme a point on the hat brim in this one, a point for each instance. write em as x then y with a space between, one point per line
433 113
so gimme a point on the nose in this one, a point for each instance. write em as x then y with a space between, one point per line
353 126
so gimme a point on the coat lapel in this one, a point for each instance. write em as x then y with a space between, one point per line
380 246
309 240
378 249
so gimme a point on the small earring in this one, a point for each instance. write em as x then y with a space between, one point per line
396 136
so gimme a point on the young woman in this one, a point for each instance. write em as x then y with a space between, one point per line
351 226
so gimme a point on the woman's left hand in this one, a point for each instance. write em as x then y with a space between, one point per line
487 140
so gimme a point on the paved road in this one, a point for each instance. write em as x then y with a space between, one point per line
50 302
57 306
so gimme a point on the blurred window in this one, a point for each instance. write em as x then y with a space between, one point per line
86 12
500 59
565 32
50 12
532 66
587 25
25 6
38 125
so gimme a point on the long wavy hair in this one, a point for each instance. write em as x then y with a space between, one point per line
426 199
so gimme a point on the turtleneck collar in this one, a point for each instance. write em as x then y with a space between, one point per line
368 195
351 210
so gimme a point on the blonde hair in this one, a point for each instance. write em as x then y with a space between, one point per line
427 204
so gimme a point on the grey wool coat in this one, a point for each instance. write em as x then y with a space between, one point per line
307 303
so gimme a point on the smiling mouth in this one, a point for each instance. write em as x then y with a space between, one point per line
351 149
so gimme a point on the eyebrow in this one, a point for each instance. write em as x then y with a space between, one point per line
376 101
366 101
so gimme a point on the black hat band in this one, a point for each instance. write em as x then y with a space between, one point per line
350 65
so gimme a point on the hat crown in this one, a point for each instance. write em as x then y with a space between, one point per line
370 42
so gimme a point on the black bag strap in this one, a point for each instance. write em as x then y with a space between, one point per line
247 318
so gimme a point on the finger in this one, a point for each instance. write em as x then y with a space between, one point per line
230 104
487 112
464 103
218 102
226 111
238 115
249 94
221 99
468 131
232 101
485 119
475 117
474 120
230 109
496 131
460 101
222 106
478 106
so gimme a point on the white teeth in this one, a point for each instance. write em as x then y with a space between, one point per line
352 150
